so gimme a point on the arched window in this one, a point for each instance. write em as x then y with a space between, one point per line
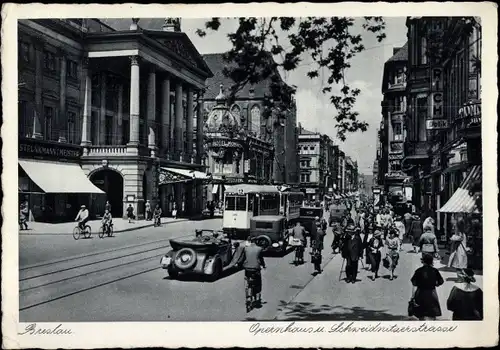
255 120
236 111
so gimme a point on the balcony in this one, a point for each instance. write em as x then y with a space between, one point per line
399 86
114 151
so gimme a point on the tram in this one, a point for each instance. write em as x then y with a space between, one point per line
245 201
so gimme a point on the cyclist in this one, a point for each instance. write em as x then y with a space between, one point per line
107 221
252 262
82 217
299 232
157 215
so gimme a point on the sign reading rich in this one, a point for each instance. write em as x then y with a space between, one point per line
40 148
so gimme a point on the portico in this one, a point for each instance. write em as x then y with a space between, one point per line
143 92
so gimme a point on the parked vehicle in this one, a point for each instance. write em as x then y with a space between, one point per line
270 232
208 254
337 213
308 215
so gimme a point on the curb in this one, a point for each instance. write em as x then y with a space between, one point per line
117 231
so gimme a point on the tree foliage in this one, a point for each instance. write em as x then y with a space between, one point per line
330 42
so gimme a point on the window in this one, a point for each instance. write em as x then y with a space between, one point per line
48 113
400 77
96 91
264 225
125 131
142 133
269 202
230 203
311 148
398 132
423 51
24 52
71 127
23 120
94 132
71 69
108 133
241 203
49 61
255 120
421 131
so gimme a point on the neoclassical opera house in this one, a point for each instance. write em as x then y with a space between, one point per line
232 154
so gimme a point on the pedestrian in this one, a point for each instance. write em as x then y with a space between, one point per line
466 299
130 213
107 207
458 256
373 253
424 296
317 248
211 208
428 242
393 245
148 210
400 227
174 211
415 231
408 218
352 251
23 216
362 216
429 223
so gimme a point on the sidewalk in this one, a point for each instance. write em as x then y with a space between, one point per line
66 228
328 298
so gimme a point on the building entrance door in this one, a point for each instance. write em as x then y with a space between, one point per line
110 182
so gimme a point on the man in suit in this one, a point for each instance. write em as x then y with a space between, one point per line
352 251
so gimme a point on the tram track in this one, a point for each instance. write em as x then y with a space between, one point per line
82 273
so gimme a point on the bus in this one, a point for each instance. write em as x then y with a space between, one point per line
245 201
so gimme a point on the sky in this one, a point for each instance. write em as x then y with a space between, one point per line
314 110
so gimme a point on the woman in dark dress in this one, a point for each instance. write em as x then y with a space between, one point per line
466 299
373 253
415 232
425 280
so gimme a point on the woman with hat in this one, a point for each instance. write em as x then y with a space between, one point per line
415 231
424 296
373 253
392 244
466 299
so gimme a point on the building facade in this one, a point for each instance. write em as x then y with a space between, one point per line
278 127
394 107
444 114
119 104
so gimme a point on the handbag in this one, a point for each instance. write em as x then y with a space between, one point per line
412 307
386 263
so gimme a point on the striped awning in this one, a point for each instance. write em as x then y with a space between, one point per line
462 201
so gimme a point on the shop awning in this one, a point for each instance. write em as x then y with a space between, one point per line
54 177
462 201
188 173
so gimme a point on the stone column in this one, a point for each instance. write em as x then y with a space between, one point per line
189 123
151 110
62 118
134 101
165 116
179 142
199 127
37 117
102 114
119 119
87 106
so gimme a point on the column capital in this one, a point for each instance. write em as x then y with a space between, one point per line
134 60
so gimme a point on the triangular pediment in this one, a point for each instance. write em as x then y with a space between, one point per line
179 44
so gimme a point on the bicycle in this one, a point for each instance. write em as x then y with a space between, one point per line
157 221
251 296
106 229
86 232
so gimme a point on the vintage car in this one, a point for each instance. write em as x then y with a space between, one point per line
208 254
337 212
307 216
270 232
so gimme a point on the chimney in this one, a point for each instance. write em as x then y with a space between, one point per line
395 50
172 25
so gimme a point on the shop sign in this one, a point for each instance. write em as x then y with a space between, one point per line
48 149
437 124
224 143
469 115
310 190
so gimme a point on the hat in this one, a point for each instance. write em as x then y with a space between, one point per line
377 233
83 206
466 275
